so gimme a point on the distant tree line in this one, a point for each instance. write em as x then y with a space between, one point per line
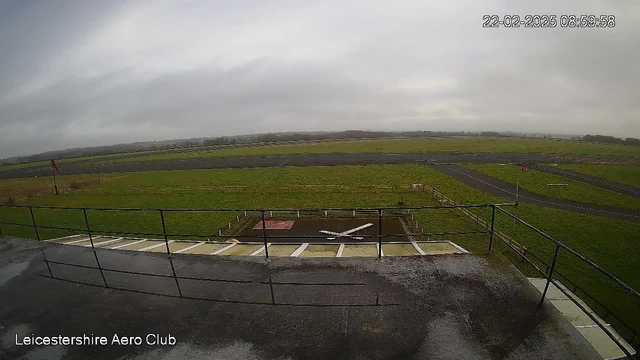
611 140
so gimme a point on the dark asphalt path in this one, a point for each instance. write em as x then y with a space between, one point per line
278 161
589 179
505 190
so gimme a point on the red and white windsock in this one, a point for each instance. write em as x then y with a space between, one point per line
55 166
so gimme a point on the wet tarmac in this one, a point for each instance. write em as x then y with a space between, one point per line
439 307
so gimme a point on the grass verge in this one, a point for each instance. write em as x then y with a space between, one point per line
537 182
624 174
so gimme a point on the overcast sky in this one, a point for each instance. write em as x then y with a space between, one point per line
84 73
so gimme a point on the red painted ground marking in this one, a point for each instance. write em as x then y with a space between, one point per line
275 225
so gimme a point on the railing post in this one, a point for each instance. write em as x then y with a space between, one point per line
379 233
164 232
550 275
493 221
166 243
86 221
175 277
93 248
35 227
264 236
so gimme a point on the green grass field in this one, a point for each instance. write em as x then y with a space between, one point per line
19 190
392 145
624 174
80 158
610 243
60 161
536 181
467 144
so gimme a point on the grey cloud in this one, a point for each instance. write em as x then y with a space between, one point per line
154 70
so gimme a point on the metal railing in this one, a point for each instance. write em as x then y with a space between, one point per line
265 238
550 271
379 213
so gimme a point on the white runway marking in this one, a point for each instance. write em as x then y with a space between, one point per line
259 250
124 245
76 241
347 233
420 251
340 250
105 242
189 248
299 250
224 249
458 247
65 237
156 245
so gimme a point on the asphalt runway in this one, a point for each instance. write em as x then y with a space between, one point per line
74 168
507 191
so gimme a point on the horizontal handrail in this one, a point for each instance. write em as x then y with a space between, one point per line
575 253
260 210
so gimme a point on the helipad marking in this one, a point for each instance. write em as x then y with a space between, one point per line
155 246
259 250
124 245
189 248
106 242
420 251
224 248
76 241
64 237
299 250
340 250
458 247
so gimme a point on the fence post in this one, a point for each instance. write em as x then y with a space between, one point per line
35 227
86 221
93 248
493 221
164 232
550 275
379 233
264 236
